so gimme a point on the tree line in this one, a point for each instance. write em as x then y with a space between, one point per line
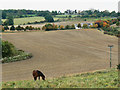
19 28
27 13
31 13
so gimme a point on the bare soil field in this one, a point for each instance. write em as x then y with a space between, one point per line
58 53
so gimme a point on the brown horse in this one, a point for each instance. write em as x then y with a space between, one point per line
37 73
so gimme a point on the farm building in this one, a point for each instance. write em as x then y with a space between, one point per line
82 25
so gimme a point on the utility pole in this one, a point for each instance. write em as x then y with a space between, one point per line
110 46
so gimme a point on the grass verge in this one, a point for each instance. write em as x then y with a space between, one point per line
98 79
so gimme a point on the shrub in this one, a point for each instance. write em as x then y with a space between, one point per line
12 27
91 26
3 29
55 27
49 27
43 28
67 27
27 27
19 28
28 23
118 35
79 25
118 67
8 49
38 28
105 32
73 26
85 19
95 25
118 18
110 33
70 16
85 26
118 23
11 54
61 27
101 23
6 28
31 28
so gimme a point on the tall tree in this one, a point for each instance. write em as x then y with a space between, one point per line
9 21
49 18
4 15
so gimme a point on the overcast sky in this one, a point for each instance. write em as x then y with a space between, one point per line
62 5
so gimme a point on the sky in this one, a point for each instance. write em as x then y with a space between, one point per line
62 5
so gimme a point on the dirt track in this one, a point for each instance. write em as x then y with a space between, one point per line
58 53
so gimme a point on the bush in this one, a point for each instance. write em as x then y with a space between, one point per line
70 16
79 25
39 28
73 26
70 27
31 28
12 27
118 23
61 27
85 19
91 26
95 25
110 33
3 29
55 27
19 28
118 67
43 28
118 35
85 26
67 27
105 32
49 27
11 54
8 49
6 28
27 28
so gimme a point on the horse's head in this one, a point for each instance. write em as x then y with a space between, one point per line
43 77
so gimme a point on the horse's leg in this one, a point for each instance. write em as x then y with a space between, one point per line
35 78
39 77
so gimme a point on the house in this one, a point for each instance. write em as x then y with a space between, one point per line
82 25
87 24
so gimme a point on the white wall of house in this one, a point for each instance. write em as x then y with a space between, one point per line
82 25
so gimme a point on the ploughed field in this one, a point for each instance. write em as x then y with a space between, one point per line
59 53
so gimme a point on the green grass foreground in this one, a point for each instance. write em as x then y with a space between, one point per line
98 79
